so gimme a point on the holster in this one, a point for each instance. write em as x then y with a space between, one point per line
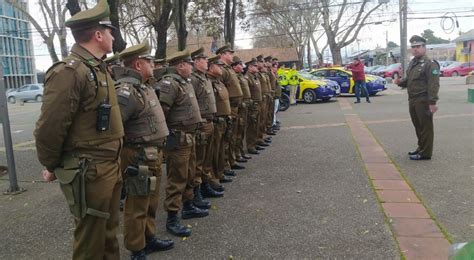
71 179
201 138
178 138
138 181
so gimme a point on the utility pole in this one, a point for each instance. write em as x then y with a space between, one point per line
7 138
403 34
386 48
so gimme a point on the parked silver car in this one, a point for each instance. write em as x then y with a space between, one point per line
26 93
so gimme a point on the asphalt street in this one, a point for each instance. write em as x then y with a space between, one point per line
306 196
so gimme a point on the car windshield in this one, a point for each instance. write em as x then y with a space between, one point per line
307 76
455 64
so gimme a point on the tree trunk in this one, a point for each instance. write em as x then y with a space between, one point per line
309 55
180 23
73 7
52 52
227 22
232 24
119 43
63 45
336 54
161 28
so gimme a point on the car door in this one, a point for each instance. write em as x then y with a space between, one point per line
34 91
21 92
344 80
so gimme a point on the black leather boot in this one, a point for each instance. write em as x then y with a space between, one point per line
198 200
174 227
138 255
153 244
190 211
230 173
208 192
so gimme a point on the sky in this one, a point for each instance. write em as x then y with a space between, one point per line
370 36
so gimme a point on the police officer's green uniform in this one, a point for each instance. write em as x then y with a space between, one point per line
241 142
230 80
254 109
273 86
79 138
221 126
145 134
422 83
181 109
265 105
207 105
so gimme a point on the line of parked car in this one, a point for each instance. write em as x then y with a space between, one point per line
326 83
447 69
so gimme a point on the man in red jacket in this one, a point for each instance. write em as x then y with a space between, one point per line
358 76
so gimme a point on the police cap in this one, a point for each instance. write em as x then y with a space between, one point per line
224 49
259 58
215 60
180 56
236 61
416 40
251 62
268 58
199 53
113 60
98 15
160 61
140 51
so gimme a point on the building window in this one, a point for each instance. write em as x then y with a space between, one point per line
6 66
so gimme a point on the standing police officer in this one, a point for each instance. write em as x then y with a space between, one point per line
182 114
229 78
422 83
254 108
145 132
222 129
207 105
241 143
79 135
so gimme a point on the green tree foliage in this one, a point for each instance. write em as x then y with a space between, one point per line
391 44
431 38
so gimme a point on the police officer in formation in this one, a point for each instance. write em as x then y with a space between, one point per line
79 135
201 114
422 83
145 134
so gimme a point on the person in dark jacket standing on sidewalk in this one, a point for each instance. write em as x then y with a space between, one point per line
358 76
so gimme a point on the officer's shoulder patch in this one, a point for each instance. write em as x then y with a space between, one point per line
72 63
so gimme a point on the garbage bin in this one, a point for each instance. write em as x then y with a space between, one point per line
470 95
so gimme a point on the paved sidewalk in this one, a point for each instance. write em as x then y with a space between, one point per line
417 233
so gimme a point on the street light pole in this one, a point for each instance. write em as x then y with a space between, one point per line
403 34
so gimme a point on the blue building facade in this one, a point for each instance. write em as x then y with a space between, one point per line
16 48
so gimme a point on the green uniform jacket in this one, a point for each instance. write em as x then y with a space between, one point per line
73 89
422 79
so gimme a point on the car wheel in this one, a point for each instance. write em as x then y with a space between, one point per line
39 98
12 100
395 75
455 74
309 96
